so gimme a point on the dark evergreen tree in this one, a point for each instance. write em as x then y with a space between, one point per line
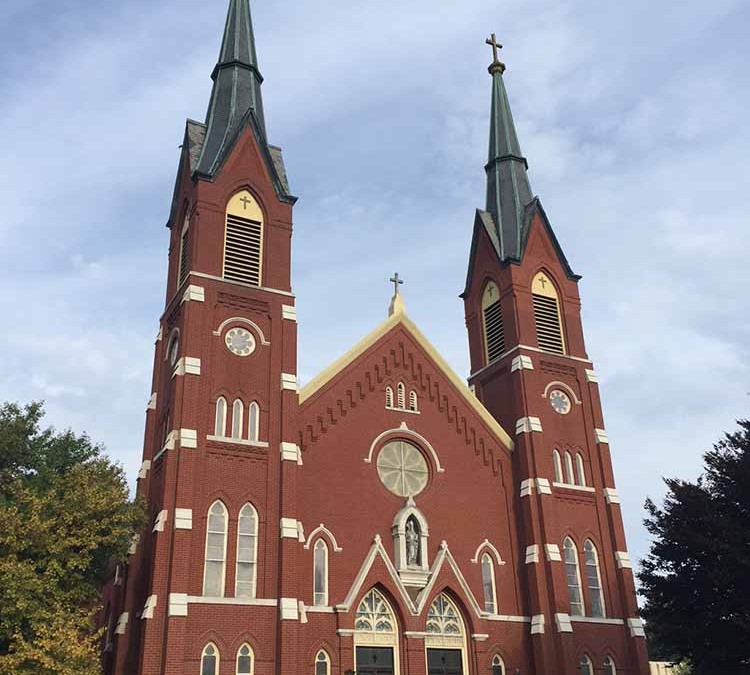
696 578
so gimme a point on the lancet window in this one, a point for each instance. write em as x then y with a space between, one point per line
320 574
245 661
492 318
609 666
593 578
573 576
546 303
488 584
443 617
374 615
498 667
243 243
247 552
210 660
322 663
585 666
216 551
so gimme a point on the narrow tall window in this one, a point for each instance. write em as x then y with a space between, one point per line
245 660
498 667
488 584
243 244
184 266
547 315
593 578
609 666
401 395
573 576
210 660
220 426
254 422
320 574
238 410
322 663
569 479
388 397
492 318
580 473
413 401
216 551
247 552
558 466
586 667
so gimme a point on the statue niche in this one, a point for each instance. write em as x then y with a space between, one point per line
410 535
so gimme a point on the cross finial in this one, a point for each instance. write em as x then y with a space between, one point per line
397 302
497 65
396 281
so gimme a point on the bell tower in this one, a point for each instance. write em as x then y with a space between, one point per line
530 369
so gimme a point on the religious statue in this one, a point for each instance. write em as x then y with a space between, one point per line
412 543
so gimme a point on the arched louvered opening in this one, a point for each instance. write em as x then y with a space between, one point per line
210 660
413 406
488 584
320 574
573 577
243 243
322 663
389 397
247 552
216 551
238 410
580 472
254 422
593 579
558 466
184 266
245 660
220 424
401 389
549 331
492 323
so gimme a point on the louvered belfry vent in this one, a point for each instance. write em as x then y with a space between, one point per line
242 250
494 331
547 318
183 257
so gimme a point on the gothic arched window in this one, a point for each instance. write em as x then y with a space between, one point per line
322 663
374 615
401 389
549 332
216 551
443 617
498 667
488 584
413 401
492 323
243 243
593 578
238 410
558 466
585 666
580 472
254 422
220 425
247 552
183 260
320 574
569 477
609 666
388 397
245 660
210 660
573 576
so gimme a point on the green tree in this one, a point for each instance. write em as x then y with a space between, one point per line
66 515
696 578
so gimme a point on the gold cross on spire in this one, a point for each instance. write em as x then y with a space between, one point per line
497 65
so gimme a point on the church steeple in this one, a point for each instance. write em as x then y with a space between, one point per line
236 94
508 189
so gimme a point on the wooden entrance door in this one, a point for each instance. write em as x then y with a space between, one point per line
374 661
444 662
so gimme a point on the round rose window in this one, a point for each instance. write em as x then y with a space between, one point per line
402 469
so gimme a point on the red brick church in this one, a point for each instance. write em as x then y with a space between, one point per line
386 517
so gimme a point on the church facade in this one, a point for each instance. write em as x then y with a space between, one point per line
387 517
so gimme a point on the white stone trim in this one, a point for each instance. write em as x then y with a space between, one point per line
562 621
591 376
636 628
531 349
152 402
552 551
145 468
528 424
188 438
486 544
594 619
319 610
122 623
541 484
571 486
480 637
537 624
623 560
187 365
247 322
290 528
178 604
203 275
208 600
532 554
527 487
161 520
183 519
194 294
322 529
611 496
289 609
404 430
160 334
237 441
289 382
601 436
290 452
289 313
521 362
148 610
561 385
507 617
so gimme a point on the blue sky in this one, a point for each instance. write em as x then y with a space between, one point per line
632 116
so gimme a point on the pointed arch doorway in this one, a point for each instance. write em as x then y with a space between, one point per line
376 636
445 639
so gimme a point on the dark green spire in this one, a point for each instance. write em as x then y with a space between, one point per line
508 189
236 92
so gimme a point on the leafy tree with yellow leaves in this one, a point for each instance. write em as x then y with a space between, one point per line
66 515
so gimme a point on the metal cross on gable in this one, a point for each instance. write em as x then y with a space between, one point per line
396 281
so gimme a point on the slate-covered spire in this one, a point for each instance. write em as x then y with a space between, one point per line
508 189
236 91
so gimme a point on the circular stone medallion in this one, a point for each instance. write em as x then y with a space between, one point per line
240 342
560 402
403 469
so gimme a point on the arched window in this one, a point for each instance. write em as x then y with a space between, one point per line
498 667
443 617
254 422
569 478
558 466
210 660
580 472
243 244
245 660
220 426
238 410
401 396
413 401
216 551
247 552
586 667
492 320
547 314
322 663
573 576
388 397
184 267
488 584
320 574
374 615
593 578
609 666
